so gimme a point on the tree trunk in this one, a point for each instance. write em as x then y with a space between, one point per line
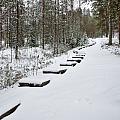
110 22
16 48
107 28
72 21
67 21
106 22
0 26
63 20
58 38
119 28
43 15
119 19
110 31
55 27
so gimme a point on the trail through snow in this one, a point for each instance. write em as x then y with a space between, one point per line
88 91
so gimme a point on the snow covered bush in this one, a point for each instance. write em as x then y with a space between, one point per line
8 76
114 49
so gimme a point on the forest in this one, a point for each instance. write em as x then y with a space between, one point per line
28 27
59 59
34 23
52 25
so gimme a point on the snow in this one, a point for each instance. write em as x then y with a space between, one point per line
30 61
34 79
114 49
88 91
87 5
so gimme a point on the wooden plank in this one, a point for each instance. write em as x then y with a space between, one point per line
50 72
9 111
34 84
62 71
55 72
73 64
81 57
45 83
74 60
23 84
82 47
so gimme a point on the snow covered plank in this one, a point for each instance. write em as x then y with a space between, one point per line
45 83
84 47
23 84
75 51
9 111
78 53
81 57
54 71
76 60
91 44
34 81
68 64
81 48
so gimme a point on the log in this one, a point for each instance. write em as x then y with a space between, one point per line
74 60
55 72
73 64
81 55
9 111
62 71
82 47
45 83
23 84
51 72
34 84
78 57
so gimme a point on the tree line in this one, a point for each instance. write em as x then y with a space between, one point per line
107 16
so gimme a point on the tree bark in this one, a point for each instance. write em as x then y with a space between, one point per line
55 27
0 26
43 15
58 22
16 49
119 19
110 22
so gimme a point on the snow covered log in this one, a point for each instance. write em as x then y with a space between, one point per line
81 48
76 60
9 111
23 84
81 57
54 72
45 83
84 47
91 44
67 64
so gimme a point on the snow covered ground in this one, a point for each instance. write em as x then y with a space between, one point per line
114 49
88 91
29 62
